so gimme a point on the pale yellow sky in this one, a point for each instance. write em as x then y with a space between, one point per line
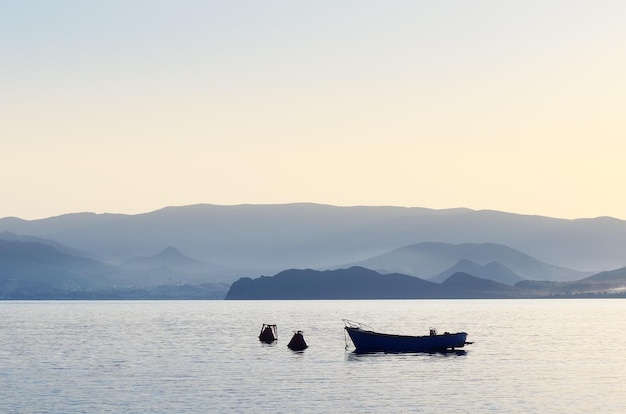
129 107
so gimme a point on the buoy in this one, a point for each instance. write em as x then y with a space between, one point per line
268 333
297 342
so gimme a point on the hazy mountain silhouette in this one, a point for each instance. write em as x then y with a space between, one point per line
611 282
31 270
463 285
361 283
495 271
352 283
436 261
172 258
27 264
8 236
170 266
264 239
607 276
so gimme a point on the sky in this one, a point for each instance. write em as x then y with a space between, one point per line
130 106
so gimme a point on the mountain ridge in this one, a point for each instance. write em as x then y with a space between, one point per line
33 270
435 260
269 238
362 283
493 270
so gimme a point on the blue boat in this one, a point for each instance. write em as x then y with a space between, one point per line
366 340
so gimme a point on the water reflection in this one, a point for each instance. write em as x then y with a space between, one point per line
362 356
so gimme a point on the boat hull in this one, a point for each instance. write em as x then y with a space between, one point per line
370 341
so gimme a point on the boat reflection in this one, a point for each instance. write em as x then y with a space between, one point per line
363 356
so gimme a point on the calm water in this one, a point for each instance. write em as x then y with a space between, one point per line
528 356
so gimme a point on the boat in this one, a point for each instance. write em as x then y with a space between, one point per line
269 333
365 340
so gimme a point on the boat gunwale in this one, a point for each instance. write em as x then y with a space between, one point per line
370 332
358 326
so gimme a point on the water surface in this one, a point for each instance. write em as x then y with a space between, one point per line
528 356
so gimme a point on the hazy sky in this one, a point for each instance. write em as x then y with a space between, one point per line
130 106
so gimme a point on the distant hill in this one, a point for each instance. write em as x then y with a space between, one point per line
265 239
32 270
27 264
170 257
352 283
463 285
362 283
495 271
171 260
8 236
610 276
436 261
604 283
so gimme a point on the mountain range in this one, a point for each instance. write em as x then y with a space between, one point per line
86 252
32 263
437 261
361 283
43 270
269 238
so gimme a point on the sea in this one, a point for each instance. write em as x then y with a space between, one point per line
527 356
